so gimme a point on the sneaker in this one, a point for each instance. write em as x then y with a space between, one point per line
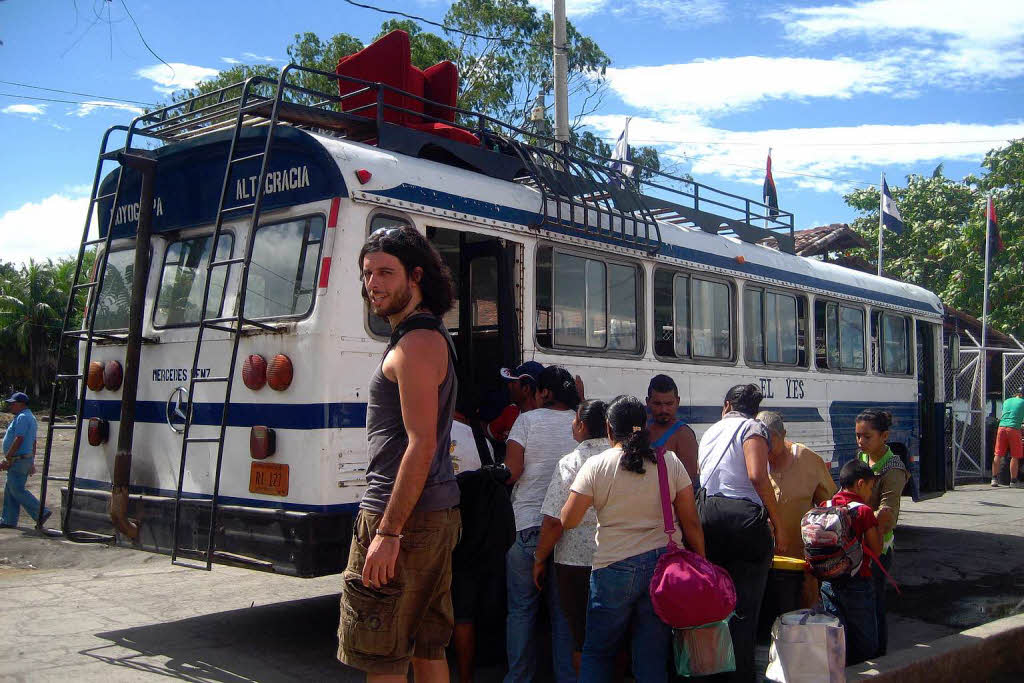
995 483
1016 485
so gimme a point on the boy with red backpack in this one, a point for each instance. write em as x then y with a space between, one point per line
840 539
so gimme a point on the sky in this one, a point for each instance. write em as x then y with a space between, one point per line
840 91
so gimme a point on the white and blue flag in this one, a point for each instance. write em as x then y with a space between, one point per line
890 213
622 154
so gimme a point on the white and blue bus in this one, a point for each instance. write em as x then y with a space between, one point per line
554 259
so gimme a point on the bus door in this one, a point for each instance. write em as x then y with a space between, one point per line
483 321
931 448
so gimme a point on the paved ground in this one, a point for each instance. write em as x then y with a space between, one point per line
96 613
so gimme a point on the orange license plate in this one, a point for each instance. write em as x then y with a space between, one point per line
268 478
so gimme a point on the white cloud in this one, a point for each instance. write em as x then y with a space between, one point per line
230 60
260 58
50 228
726 84
179 76
689 11
840 156
1000 22
86 108
944 42
32 110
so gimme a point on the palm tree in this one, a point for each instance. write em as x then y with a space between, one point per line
29 314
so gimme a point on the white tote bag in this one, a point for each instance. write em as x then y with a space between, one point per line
807 647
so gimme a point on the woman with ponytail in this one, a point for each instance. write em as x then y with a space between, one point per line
622 486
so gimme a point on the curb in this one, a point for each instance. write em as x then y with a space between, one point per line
972 655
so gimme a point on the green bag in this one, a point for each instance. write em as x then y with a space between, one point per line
704 650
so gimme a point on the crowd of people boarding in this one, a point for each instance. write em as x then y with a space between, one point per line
584 494
565 503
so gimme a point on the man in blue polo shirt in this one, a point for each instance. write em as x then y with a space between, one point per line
19 451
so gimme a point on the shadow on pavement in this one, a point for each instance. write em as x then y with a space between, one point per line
285 641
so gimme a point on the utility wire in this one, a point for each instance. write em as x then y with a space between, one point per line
51 99
810 144
445 27
72 92
143 38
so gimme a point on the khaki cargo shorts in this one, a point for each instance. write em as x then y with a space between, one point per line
382 628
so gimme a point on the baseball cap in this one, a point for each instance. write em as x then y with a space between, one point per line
529 370
17 397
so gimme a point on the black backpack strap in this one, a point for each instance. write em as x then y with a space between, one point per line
481 443
422 322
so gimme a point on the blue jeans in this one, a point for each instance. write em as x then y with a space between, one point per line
881 583
523 606
618 597
16 495
853 601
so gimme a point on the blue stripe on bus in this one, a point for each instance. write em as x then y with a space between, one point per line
96 485
712 414
451 202
344 415
276 415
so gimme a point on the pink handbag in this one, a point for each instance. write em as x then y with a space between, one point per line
686 589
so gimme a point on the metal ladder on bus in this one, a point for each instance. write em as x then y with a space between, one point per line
87 333
232 324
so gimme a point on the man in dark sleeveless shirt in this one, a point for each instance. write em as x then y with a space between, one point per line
396 605
665 426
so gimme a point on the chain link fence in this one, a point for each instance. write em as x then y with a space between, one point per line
965 417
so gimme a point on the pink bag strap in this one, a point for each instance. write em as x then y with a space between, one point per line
666 502
878 563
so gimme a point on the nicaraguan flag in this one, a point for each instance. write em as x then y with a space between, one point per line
622 154
992 228
890 214
770 194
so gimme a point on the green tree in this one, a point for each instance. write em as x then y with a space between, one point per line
943 244
29 313
502 73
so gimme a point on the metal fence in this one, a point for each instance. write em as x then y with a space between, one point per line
965 417
1013 372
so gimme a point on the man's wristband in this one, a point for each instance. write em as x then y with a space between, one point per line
390 535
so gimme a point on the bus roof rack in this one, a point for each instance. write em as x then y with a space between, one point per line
582 193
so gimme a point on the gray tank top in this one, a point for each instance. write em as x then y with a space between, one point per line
387 441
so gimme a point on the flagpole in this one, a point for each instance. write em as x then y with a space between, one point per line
983 358
767 209
881 214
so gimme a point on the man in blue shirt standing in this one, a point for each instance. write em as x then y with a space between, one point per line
19 452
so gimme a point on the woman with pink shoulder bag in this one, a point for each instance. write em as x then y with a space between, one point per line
622 485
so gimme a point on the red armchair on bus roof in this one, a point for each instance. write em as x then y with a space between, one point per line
389 61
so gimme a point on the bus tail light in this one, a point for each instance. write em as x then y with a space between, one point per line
280 373
94 380
113 375
99 431
254 371
262 442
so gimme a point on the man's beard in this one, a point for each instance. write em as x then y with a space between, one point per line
401 300
662 419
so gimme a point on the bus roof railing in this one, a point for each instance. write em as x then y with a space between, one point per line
582 192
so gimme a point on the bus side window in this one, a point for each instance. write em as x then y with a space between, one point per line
586 303
839 337
895 344
692 317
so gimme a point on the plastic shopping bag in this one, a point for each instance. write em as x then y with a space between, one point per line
704 650
807 647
